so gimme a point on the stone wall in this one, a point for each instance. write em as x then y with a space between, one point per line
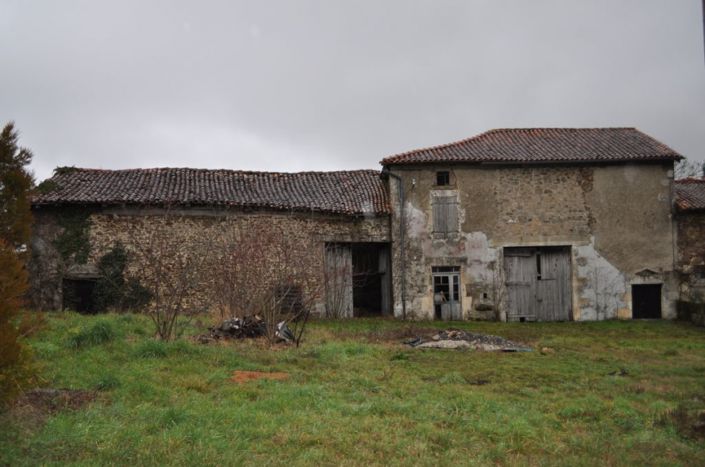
691 255
616 219
307 233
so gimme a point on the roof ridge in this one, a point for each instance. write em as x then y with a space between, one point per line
198 169
430 153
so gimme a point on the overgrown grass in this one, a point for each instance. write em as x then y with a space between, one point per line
611 393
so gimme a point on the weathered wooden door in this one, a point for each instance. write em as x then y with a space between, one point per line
338 280
538 284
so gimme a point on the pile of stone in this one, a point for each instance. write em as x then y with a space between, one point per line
246 327
239 328
459 339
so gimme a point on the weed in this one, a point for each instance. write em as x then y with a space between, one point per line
151 349
99 333
107 382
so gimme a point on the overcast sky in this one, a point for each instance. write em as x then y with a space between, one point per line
320 85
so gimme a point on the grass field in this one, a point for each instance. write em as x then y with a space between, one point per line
606 393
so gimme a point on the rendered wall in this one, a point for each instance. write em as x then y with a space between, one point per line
616 219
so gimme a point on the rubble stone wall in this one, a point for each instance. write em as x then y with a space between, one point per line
691 255
306 232
615 218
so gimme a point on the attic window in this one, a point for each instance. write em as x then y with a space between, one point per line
443 178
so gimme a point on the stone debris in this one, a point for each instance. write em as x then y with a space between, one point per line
242 328
459 339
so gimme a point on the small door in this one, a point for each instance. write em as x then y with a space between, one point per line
646 301
538 283
446 293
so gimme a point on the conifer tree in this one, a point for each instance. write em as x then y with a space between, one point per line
15 219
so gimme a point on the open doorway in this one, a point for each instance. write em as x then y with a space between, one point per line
646 301
358 279
78 295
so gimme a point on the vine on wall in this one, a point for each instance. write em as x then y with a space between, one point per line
73 241
112 289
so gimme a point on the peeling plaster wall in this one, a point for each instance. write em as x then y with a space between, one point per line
616 219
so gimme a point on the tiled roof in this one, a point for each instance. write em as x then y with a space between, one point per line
690 194
356 192
544 145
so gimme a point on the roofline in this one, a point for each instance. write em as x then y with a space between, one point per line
223 206
519 163
197 169
676 155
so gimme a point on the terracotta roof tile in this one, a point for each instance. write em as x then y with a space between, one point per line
355 192
690 194
544 145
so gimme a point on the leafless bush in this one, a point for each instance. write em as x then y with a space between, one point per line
171 265
259 272
686 168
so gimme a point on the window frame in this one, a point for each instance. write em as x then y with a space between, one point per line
445 174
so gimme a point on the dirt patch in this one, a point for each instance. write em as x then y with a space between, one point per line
54 400
245 376
688 418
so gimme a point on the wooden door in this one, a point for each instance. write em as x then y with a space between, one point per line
538 284
338 280
520 270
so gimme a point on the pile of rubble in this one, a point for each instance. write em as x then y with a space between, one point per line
246 327
459 339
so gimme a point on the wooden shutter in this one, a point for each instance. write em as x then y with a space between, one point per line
445 214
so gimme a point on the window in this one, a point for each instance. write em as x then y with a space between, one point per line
443 178
445 214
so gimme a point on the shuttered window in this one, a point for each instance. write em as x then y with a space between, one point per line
445 214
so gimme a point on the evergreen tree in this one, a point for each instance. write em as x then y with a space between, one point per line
15 220
15 184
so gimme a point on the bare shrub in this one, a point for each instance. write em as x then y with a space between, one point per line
258 271
171 265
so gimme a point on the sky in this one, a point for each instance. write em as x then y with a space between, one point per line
336 85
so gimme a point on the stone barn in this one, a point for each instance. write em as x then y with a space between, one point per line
535 224
329 219
545 224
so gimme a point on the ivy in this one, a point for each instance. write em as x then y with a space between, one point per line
112 290
73 242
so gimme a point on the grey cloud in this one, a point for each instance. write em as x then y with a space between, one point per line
309 85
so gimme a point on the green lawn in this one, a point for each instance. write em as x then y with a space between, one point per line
357 396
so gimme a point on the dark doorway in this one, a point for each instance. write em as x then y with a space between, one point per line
78 295
646 301
357 279
370 278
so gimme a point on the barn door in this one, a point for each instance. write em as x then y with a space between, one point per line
520 267
338 280
538 284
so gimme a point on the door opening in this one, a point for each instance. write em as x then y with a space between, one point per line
446 292
646 301
357 279
78 295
